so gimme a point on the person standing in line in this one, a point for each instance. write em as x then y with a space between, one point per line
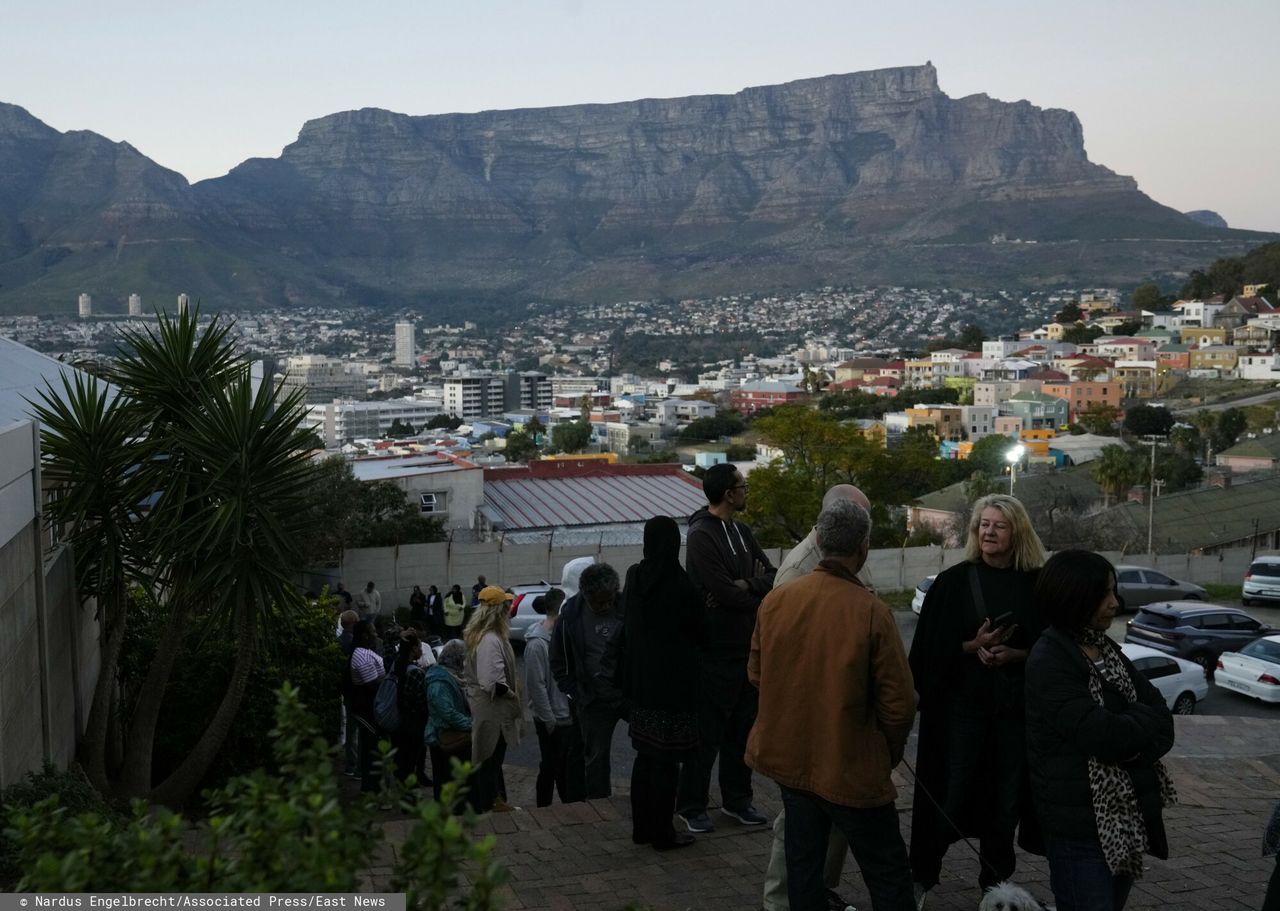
418 608
836 707
800 561
733 575
366 670
454 612
552 720
435 612
347 621
497 710
411 696
476 589
448 731
968 656
1096 732
588 622
664 625
369 602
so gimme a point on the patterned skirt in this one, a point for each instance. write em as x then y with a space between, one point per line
663 731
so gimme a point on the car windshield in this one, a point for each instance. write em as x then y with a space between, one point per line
925 584
1159 621
1265 569
1264 650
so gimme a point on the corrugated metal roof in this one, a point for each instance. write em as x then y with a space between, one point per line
530 503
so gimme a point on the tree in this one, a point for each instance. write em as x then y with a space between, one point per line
1069 314
1115 470
225 467
1099 418
1147 420
1146 296
1231 423
971 338
1128 327
444 422
712 429
399 430
988 455
570 437
1082 335
520 447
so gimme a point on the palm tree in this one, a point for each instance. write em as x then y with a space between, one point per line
224 469
1116 471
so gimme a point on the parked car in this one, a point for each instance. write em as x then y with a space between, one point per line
1261 581
1254 670
1194 631
523 615
922 588
1139 585
1180 682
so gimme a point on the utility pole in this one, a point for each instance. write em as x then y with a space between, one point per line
1152 441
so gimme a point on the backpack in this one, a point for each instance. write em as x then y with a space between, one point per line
386 704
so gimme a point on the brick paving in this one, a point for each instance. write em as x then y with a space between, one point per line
580 857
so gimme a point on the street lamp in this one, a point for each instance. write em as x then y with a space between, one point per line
1013 457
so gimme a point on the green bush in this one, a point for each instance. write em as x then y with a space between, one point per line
73 791
300 649
285 832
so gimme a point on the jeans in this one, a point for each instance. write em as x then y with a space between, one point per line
555 745
1080 878
982 749
726 711
775 877
597 723
873 837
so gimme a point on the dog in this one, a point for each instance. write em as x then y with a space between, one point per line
1007 896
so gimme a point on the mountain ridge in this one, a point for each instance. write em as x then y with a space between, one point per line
868 177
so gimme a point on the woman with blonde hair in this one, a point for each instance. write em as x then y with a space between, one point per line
977 626
496 705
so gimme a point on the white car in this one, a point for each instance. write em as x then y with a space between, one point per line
1180 682
1253 671
922 589
523 616
1261 581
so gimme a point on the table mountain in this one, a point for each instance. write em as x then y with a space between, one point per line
869 177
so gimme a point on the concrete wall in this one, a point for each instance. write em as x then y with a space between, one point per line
396 570
48 645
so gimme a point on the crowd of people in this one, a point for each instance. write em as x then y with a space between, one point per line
1034 728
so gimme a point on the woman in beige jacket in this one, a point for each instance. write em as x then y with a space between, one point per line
497 716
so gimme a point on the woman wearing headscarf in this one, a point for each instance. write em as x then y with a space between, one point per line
411 691
448 731
658 675
1096 729
497 709
455 612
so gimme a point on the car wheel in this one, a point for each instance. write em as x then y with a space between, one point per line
1185 704
1246 602
1193 597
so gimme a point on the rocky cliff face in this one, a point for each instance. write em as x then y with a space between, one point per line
827 179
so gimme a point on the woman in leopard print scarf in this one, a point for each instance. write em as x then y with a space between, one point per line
1096 730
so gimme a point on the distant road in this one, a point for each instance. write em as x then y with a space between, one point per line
1237 403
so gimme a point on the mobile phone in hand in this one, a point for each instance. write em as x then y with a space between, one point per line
1003 620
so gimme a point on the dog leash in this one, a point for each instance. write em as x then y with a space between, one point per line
949 821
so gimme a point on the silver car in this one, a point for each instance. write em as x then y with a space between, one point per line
523 616
1137 586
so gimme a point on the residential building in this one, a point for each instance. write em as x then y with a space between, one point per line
1173 357
1203 338
1240 309
339 422
474 396
1214 357
1081 395
1137 379
406 349
750 398
946 421
135 305
1257 452
1126 348
979 420
1037 410
672 411
529 390
322 379
440 485
84 306
1241 513
1259 366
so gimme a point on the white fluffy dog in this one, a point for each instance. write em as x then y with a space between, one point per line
1007 896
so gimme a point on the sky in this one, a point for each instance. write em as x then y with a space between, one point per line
1168 92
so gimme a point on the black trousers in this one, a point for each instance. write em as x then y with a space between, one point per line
560 766
442 768
486 780
726 711
653 799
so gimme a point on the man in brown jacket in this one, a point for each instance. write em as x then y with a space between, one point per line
836 706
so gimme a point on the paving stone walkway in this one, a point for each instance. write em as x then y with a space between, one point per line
580 857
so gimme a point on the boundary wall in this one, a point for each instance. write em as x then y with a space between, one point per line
395 570
49 657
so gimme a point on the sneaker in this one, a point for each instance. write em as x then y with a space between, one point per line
836 903
697 822
921 894
748 815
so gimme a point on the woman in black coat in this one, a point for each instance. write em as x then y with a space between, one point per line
658 676
1096 729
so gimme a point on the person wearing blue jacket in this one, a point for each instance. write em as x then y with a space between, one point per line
448 715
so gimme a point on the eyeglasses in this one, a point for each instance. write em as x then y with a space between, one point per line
739 486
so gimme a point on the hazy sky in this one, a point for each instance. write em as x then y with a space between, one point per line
1175 93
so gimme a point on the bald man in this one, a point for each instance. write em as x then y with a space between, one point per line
800 562
804 556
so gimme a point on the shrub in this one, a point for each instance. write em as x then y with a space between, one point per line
287 832
74 792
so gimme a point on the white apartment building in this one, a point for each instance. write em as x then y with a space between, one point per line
406 351
342 422
979 420
135 305
84 306
323 378
440 485
477 396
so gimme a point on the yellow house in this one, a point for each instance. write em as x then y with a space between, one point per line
1214 357
947 421
1204 337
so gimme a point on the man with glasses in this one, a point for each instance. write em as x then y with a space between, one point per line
733 573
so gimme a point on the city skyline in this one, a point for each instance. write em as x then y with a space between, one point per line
1192 132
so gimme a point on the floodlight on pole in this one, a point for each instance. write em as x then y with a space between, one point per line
1013 457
